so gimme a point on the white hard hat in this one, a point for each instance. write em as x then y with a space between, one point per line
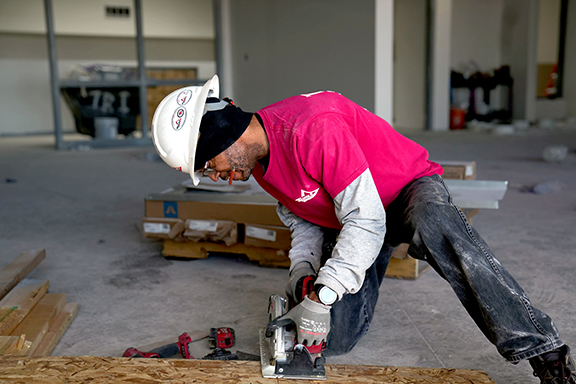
176 125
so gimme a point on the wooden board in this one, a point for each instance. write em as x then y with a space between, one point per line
18 303
18 269
96 370
36 324
407 268
404 266
14 345
266 257
56 331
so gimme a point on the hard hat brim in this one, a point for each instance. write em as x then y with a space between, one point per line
209 89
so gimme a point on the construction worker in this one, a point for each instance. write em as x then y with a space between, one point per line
351 189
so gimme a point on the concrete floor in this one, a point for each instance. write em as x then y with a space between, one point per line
85 207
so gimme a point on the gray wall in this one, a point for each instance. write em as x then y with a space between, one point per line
519 36
285 48
409 65
476 35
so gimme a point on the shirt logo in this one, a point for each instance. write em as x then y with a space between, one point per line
307 195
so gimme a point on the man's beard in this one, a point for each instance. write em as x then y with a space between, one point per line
243 159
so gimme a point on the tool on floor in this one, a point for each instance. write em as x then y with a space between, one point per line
168 350
221 354
281 356
222 338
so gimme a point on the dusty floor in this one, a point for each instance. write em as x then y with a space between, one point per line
85 207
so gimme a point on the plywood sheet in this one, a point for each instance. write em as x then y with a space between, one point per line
51 370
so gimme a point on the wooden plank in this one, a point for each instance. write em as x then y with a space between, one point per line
404 266
18 303
96 370
18 269
401 252
56 331
40 319
266 257
407 268
14 345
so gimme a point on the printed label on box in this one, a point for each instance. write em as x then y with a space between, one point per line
203 225
156 228
469 170
260 233
170 209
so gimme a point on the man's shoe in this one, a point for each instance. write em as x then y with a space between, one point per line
555 367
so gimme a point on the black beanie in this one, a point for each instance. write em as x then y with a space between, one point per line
219 130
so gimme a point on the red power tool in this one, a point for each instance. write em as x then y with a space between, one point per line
181 346
222 338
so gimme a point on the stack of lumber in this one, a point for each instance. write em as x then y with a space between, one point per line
32 321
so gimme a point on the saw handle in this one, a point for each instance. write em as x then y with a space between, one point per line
278 322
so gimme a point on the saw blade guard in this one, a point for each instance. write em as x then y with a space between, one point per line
281 356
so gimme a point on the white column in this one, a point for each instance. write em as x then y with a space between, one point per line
531 59
384 55
441 41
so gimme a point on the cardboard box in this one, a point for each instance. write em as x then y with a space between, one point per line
267 236
460 170
162 228
181 203
215 231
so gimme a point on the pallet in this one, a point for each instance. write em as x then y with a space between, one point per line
265 257
401 266
404 266
99 370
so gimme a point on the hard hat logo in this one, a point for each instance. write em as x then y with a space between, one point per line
184 97
179 118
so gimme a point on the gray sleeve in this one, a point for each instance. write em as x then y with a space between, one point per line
361 213
307 239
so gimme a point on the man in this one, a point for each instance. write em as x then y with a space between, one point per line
343 177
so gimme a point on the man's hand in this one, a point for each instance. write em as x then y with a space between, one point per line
312 321
301 282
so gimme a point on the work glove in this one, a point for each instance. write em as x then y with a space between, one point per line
312 320
301 283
